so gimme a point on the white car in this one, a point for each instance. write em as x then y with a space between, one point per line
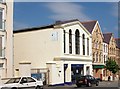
22 83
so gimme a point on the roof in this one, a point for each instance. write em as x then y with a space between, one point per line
117 42
44 27
107 37
33 28
89 25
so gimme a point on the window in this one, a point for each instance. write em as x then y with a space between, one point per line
70 41
104 59
93 57
30 79
77 42
1 1
13 80
1 64
2 23
100 57
83 37
104 47
97 45
87 46
96 57
64 40
24 80
2 46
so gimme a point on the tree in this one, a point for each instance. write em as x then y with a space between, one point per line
112 66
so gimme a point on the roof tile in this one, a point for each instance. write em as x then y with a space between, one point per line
107 37
89 25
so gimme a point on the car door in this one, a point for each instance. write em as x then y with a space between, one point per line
93 80
31 82
23 83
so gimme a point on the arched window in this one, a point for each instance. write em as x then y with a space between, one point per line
77 42
83 38
70 41
87 46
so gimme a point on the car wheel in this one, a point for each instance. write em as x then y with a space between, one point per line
89 84
97 83
38 87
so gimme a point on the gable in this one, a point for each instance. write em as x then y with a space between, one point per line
75 23
112 42
97 29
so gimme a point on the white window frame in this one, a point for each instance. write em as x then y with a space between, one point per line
3 19
3 46
2 1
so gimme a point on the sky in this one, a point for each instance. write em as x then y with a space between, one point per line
34 14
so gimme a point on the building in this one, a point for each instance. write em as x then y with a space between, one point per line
118 53
6 38
117 50
110 40
97 47
105 58
64 48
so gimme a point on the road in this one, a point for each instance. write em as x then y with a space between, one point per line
102 85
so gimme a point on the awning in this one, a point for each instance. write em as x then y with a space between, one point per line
98 66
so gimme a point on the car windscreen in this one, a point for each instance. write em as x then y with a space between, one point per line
82 77
13 80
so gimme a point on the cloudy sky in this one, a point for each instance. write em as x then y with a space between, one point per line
31 14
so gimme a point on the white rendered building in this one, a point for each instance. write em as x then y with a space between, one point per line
64 48
105 58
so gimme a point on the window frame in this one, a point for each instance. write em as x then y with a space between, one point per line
2 28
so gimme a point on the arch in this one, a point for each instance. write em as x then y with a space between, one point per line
87 46
70 41
83 39
77 42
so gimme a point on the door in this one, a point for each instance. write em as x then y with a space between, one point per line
23 83
31 82
93 81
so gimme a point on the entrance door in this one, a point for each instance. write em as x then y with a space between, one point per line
77 70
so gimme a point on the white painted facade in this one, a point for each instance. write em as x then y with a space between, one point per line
105 52
6 38
105 58
49 48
